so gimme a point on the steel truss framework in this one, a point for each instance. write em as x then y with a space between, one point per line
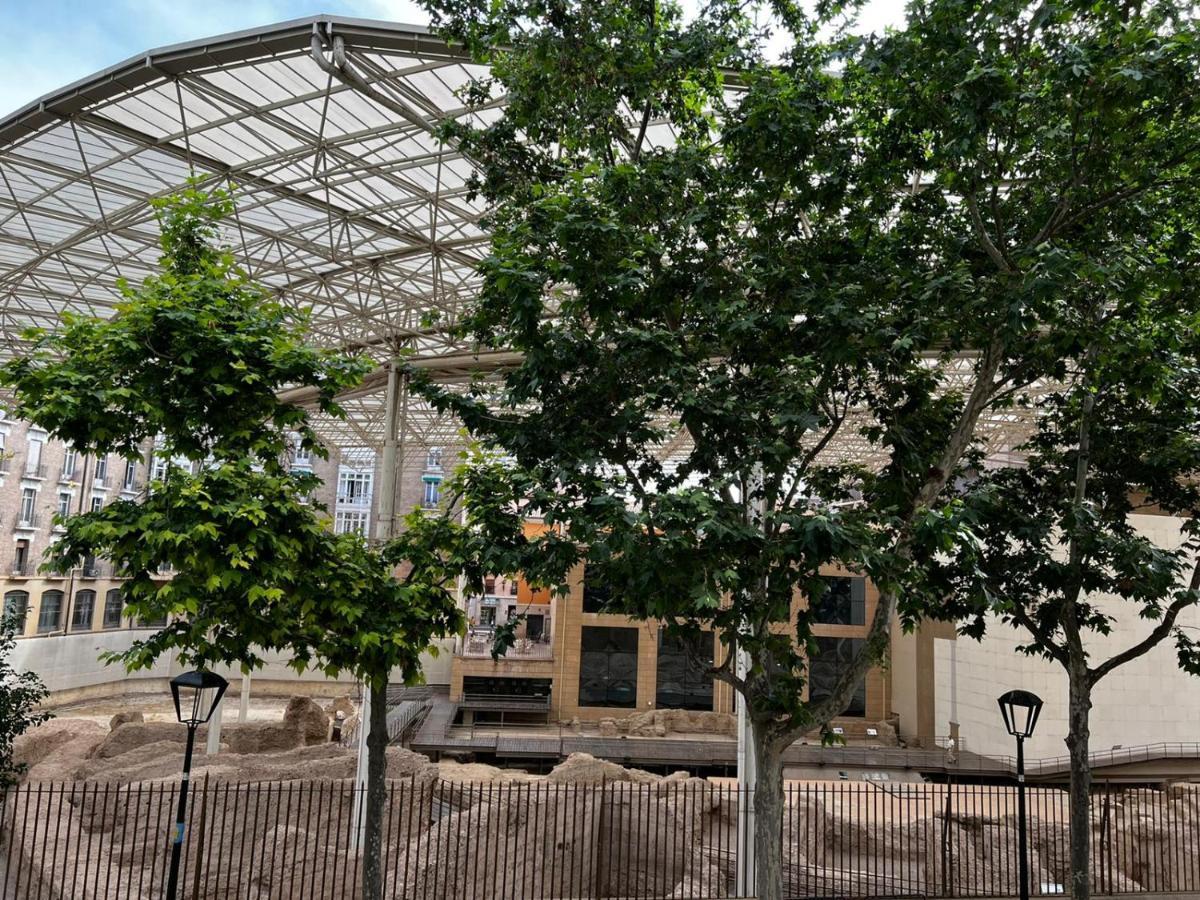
347 204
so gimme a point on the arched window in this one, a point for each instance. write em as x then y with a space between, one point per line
114 604
16 603
50 613
81 615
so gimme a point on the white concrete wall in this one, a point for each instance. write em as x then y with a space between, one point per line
1143 702
70 663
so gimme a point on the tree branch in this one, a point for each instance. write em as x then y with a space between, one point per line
1155 637
960 438
985 239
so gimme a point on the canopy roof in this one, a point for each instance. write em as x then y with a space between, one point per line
347 203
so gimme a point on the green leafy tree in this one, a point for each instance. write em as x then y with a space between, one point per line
20 695
763 308
192 361
371 610
1058 556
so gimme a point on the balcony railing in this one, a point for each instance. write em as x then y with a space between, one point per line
5 465
478 645
30 521
100 481
91 569
21 569
35 471
69 476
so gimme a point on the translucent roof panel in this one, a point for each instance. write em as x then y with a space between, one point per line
347 204
348 210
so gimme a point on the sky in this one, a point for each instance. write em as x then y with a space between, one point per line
51 43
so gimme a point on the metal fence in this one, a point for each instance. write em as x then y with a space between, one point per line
555 840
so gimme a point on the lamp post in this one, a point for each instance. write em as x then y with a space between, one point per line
1021 710
196 695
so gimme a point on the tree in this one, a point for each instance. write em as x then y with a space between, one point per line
763 309
20 694
192 361
1058 556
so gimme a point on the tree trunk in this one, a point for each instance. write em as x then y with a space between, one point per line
1078 736
377 739
768 816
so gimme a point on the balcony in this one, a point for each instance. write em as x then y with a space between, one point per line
21 569
37 470
28 522
478 645
100 481
5 465
68 477
131 487
91 569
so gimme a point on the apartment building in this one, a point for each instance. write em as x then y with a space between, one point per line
41 480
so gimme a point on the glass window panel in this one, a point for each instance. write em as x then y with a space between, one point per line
832 658
16 603
843 603
81 615
50 613
608 667
683 680
114 605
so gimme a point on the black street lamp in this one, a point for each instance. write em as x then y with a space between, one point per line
1021 710
196 697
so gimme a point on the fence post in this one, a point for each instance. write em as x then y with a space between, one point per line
947 853
1106 843
197 865
596 868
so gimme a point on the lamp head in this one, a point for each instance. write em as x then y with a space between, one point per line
196 696
1020 710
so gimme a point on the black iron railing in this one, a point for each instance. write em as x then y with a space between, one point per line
543 839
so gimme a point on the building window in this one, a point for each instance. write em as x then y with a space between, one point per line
114 604
433 460
608 664
130 475
100 475
97 504
64 504
159 472
16 603
351 521
33 460
301 455
21 558
354 487
597 594
81 615
501 686
684 664
843 603
833 657
28 506
50 614
70 463
433 493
